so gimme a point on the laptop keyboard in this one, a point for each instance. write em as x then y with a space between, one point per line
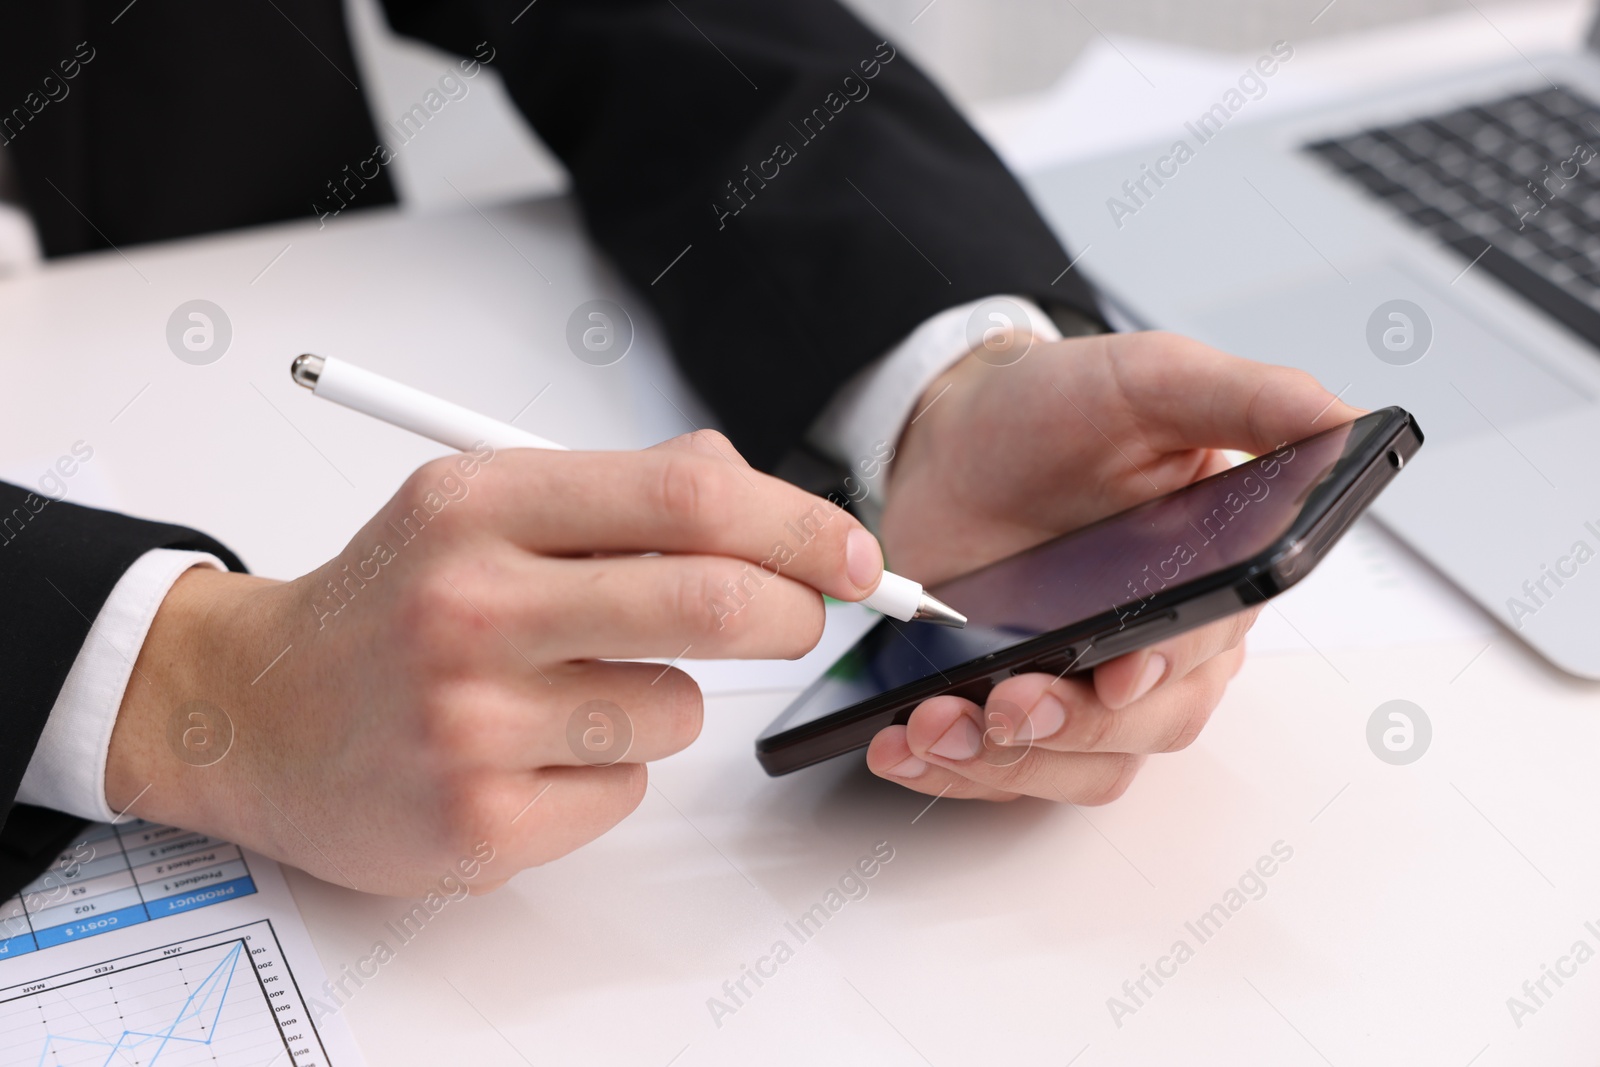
1513 184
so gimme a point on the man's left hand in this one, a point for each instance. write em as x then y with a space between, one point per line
1001 458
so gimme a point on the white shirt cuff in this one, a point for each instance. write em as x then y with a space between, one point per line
68 769
861 426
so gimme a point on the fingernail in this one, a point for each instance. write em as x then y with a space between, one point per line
863 559
1154 668
960 742
1047 716
910 767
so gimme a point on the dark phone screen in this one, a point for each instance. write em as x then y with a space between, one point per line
1117 564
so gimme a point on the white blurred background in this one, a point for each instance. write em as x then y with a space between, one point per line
979 49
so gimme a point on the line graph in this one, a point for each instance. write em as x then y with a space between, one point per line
201 1007
224 999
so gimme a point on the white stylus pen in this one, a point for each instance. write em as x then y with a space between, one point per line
453 425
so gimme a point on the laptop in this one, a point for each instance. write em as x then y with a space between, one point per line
1436 247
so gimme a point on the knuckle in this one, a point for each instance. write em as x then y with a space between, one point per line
412 490
439 727
419 481
432 495
1182 728
713 440
690 493
677 490
1118 773
707 603
1303 378
1096 728
469 812
514 474
1203 691
460 725
1156 343
1027 775
735 604
434 615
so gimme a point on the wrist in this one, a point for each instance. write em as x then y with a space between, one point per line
192 653
946 409
934 408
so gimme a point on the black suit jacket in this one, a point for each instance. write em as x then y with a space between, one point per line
814 195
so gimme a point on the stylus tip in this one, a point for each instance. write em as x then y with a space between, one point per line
932 609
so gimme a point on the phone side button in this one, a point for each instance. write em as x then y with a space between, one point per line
1057 663
1129 638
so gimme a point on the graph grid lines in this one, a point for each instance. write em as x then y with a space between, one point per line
227 998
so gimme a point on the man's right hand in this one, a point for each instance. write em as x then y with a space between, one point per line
427 688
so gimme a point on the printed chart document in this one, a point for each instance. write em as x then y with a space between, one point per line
149 945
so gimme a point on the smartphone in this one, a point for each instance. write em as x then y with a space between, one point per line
1193 556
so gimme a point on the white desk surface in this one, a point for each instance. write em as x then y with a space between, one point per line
1417 900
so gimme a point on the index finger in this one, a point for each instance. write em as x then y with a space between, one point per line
682 499
1186 394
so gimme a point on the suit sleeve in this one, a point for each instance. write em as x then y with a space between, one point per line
789 192
58 564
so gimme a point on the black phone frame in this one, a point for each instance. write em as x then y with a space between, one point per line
1330 508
